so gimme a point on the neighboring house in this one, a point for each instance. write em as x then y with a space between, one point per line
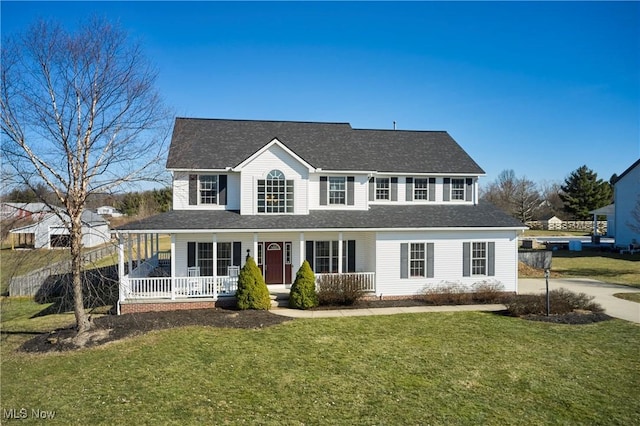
108 211
626 202
29 211
50 231
397 211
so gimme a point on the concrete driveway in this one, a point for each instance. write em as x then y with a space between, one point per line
602 293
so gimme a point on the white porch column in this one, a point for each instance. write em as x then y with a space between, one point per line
173 266
121 274
339 252
130 251
301 249
595 224
215 266
254 252
139 252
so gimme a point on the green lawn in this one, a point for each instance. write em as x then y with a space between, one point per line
634 297
20 262
445 368
608 267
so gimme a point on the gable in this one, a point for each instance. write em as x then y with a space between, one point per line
276 154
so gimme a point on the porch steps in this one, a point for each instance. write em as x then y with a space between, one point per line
279 297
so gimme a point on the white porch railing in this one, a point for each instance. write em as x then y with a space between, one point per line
178 287
365 281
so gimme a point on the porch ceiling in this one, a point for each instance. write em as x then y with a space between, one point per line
377 217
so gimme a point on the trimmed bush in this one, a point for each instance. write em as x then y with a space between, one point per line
457 294
303 291
561 301
252 290
339 289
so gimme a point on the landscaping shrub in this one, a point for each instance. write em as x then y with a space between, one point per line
252 290
339 289
489 292
457 294
303 291
561 302
447 294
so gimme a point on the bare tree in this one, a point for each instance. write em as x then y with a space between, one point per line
80 114
516 196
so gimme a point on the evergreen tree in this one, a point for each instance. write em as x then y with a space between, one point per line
583 191
252 290
303 291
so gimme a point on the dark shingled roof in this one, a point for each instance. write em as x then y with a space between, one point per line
217 144
377 217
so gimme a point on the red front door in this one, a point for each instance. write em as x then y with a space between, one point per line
273 263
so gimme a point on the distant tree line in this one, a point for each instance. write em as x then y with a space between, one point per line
143 203
525 200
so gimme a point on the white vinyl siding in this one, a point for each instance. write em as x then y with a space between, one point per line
447 260
181 192
360 193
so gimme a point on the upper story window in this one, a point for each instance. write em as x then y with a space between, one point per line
208 189
421 189
275 193
458 189
337 190
383 187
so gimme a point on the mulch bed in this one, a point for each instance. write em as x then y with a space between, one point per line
111 328
575 318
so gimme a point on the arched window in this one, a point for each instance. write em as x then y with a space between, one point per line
275 193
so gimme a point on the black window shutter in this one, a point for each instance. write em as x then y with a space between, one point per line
429 260
409 196
394 189
404 260
432 189
309 253
237 253
491 259
447 190
191 254
323 190
193 190
466 259
350 184
469 194
351 255
372 189
222 188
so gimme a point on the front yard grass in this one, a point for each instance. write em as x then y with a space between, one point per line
444 368
612 268
633 297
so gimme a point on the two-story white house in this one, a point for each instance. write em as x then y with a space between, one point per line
399 210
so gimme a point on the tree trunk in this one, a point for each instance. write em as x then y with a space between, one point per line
82 320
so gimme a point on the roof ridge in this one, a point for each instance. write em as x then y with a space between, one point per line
264 121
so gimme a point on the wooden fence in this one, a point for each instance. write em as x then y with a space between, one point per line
30 284
569 225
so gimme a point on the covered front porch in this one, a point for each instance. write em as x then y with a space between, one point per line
171 268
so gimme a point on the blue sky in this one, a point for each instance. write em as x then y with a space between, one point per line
541 88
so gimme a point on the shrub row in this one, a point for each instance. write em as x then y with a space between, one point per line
561 301
454 294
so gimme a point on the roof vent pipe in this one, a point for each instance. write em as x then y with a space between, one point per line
394 124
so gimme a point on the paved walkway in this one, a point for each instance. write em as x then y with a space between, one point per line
329 313
602 293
